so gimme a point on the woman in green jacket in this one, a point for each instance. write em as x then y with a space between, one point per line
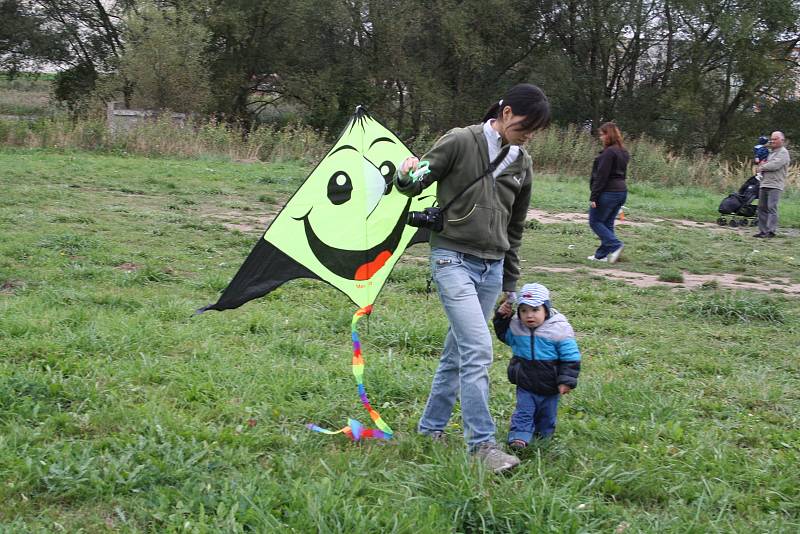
483 181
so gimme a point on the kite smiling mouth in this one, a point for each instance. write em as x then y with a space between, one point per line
355 264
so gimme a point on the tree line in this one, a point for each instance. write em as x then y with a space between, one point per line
702 75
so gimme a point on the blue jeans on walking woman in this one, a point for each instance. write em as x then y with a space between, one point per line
601 220
468 287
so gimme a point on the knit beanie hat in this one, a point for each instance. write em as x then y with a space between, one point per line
534 295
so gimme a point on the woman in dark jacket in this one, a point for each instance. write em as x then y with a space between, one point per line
608 192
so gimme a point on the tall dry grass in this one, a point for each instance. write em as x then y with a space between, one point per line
567 151
570 151
164 138
25 95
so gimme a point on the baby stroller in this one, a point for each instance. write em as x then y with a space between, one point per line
738 207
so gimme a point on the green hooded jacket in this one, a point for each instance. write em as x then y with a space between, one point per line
487 220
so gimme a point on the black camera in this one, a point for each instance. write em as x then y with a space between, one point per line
430 218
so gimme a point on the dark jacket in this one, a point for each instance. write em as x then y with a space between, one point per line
543 357
487 220
608 171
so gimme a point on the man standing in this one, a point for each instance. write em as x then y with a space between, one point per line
773 173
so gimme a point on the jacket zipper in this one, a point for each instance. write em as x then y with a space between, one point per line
533 345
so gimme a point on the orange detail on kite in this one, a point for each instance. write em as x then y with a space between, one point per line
366 271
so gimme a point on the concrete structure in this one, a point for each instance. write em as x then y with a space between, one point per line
123 120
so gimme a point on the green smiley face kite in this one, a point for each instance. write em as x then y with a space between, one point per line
345 225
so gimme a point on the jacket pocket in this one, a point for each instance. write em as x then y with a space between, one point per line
513 370
470 227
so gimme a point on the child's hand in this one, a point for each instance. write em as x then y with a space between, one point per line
505 310
564 389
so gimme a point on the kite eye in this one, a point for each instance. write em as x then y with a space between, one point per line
339 188
387 170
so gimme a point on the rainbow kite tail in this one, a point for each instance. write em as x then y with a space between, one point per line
355 430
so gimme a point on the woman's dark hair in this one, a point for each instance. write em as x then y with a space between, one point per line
525 100
613 135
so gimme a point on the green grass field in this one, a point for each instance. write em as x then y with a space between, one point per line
120 411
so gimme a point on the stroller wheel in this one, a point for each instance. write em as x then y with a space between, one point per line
721 221
733 223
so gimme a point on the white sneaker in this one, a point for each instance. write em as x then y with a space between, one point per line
592 258
614 256
494 459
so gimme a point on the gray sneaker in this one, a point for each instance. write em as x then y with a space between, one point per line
494 459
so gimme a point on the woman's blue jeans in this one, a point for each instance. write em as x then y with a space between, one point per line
468 287
601 220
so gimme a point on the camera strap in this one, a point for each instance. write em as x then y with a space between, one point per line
489 170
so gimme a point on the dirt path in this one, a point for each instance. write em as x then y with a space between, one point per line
251 222
725 280
549 218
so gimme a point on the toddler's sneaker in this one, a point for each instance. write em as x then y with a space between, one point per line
592 258
517 444
436 436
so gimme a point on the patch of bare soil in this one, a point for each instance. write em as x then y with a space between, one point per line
127 267
9 287
725 280
243 221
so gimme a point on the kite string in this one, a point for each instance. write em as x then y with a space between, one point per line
355 430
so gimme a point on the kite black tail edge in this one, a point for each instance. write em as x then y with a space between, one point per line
265 269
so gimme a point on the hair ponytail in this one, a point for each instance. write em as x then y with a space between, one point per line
492 112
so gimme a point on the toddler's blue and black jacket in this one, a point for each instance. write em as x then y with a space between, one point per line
543 357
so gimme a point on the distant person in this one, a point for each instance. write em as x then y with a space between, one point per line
761 153
545 362
608 192
773 180
483 177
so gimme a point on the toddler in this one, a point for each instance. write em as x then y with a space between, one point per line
545 361
761 153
